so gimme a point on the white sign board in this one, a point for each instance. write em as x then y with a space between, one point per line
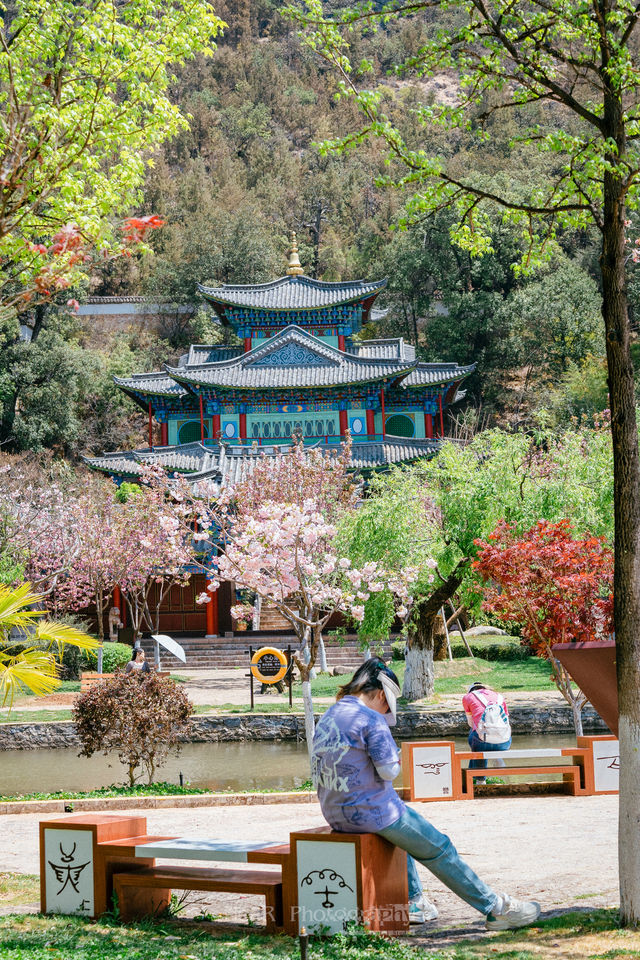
171 645
432 776
327 885
68 871
606 765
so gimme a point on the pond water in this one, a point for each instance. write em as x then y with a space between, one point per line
218 766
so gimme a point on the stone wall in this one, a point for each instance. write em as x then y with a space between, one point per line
412 724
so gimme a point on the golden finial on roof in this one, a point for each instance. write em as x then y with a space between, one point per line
294 267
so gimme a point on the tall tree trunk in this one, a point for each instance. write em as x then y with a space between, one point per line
418 674
626 481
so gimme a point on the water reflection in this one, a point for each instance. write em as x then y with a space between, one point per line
218 766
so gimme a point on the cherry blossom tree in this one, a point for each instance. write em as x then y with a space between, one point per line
555 587
285 553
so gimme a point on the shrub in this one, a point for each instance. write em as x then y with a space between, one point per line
398 649
139 716
114 655
491 648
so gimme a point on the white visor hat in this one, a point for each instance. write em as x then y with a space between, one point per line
392 692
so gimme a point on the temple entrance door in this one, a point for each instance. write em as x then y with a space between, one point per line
179 612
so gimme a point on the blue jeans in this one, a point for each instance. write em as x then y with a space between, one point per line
435 851
480 746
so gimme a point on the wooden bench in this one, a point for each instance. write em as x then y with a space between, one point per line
88 679
570 777
135 890
434 770
573 774
321 879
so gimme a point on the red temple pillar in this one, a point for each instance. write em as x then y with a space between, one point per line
247 344
243 426
428 426
215 433
341 342
150 427
371 423
164 434
212 615
117 600
201 421
441 419
382 407
343 423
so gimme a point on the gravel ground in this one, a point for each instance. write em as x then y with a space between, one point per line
559 850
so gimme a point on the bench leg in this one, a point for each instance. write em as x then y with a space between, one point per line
273 909
134 903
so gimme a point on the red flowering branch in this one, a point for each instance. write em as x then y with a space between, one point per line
555 588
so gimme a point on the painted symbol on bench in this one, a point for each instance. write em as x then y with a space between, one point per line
615 762
433 768
331 877
67 872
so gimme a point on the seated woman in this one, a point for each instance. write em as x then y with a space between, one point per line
138 663
354 761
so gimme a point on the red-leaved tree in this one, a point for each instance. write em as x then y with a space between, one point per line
556 588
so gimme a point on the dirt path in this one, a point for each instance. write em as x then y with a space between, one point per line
230 686
559 850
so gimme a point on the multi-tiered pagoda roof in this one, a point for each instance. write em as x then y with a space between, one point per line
301 370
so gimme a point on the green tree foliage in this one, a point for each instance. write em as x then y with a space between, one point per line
438 508
84 94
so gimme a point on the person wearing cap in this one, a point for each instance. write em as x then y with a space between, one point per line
486 736
353 763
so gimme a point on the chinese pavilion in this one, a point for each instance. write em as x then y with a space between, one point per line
301 370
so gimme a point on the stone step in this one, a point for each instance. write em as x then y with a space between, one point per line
229 652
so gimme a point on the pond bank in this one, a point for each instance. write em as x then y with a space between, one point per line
213 728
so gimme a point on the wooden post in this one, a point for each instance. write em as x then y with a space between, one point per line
382 408
343 423
428 426
201 421
150 427
441 420
164 434
243 426
215 433
371 424
341 344
247 344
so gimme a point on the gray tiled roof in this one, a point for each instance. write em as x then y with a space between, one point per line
309 363
291 293
158 383
203 353
392 349
227 465
429 373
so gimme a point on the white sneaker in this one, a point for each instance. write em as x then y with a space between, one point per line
513 914
422 910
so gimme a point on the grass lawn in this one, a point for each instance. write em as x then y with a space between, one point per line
590 936
505 675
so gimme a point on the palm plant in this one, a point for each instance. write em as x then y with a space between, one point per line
34 666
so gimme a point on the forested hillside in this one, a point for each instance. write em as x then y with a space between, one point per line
248 172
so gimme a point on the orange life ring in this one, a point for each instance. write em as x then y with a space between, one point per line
278 655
